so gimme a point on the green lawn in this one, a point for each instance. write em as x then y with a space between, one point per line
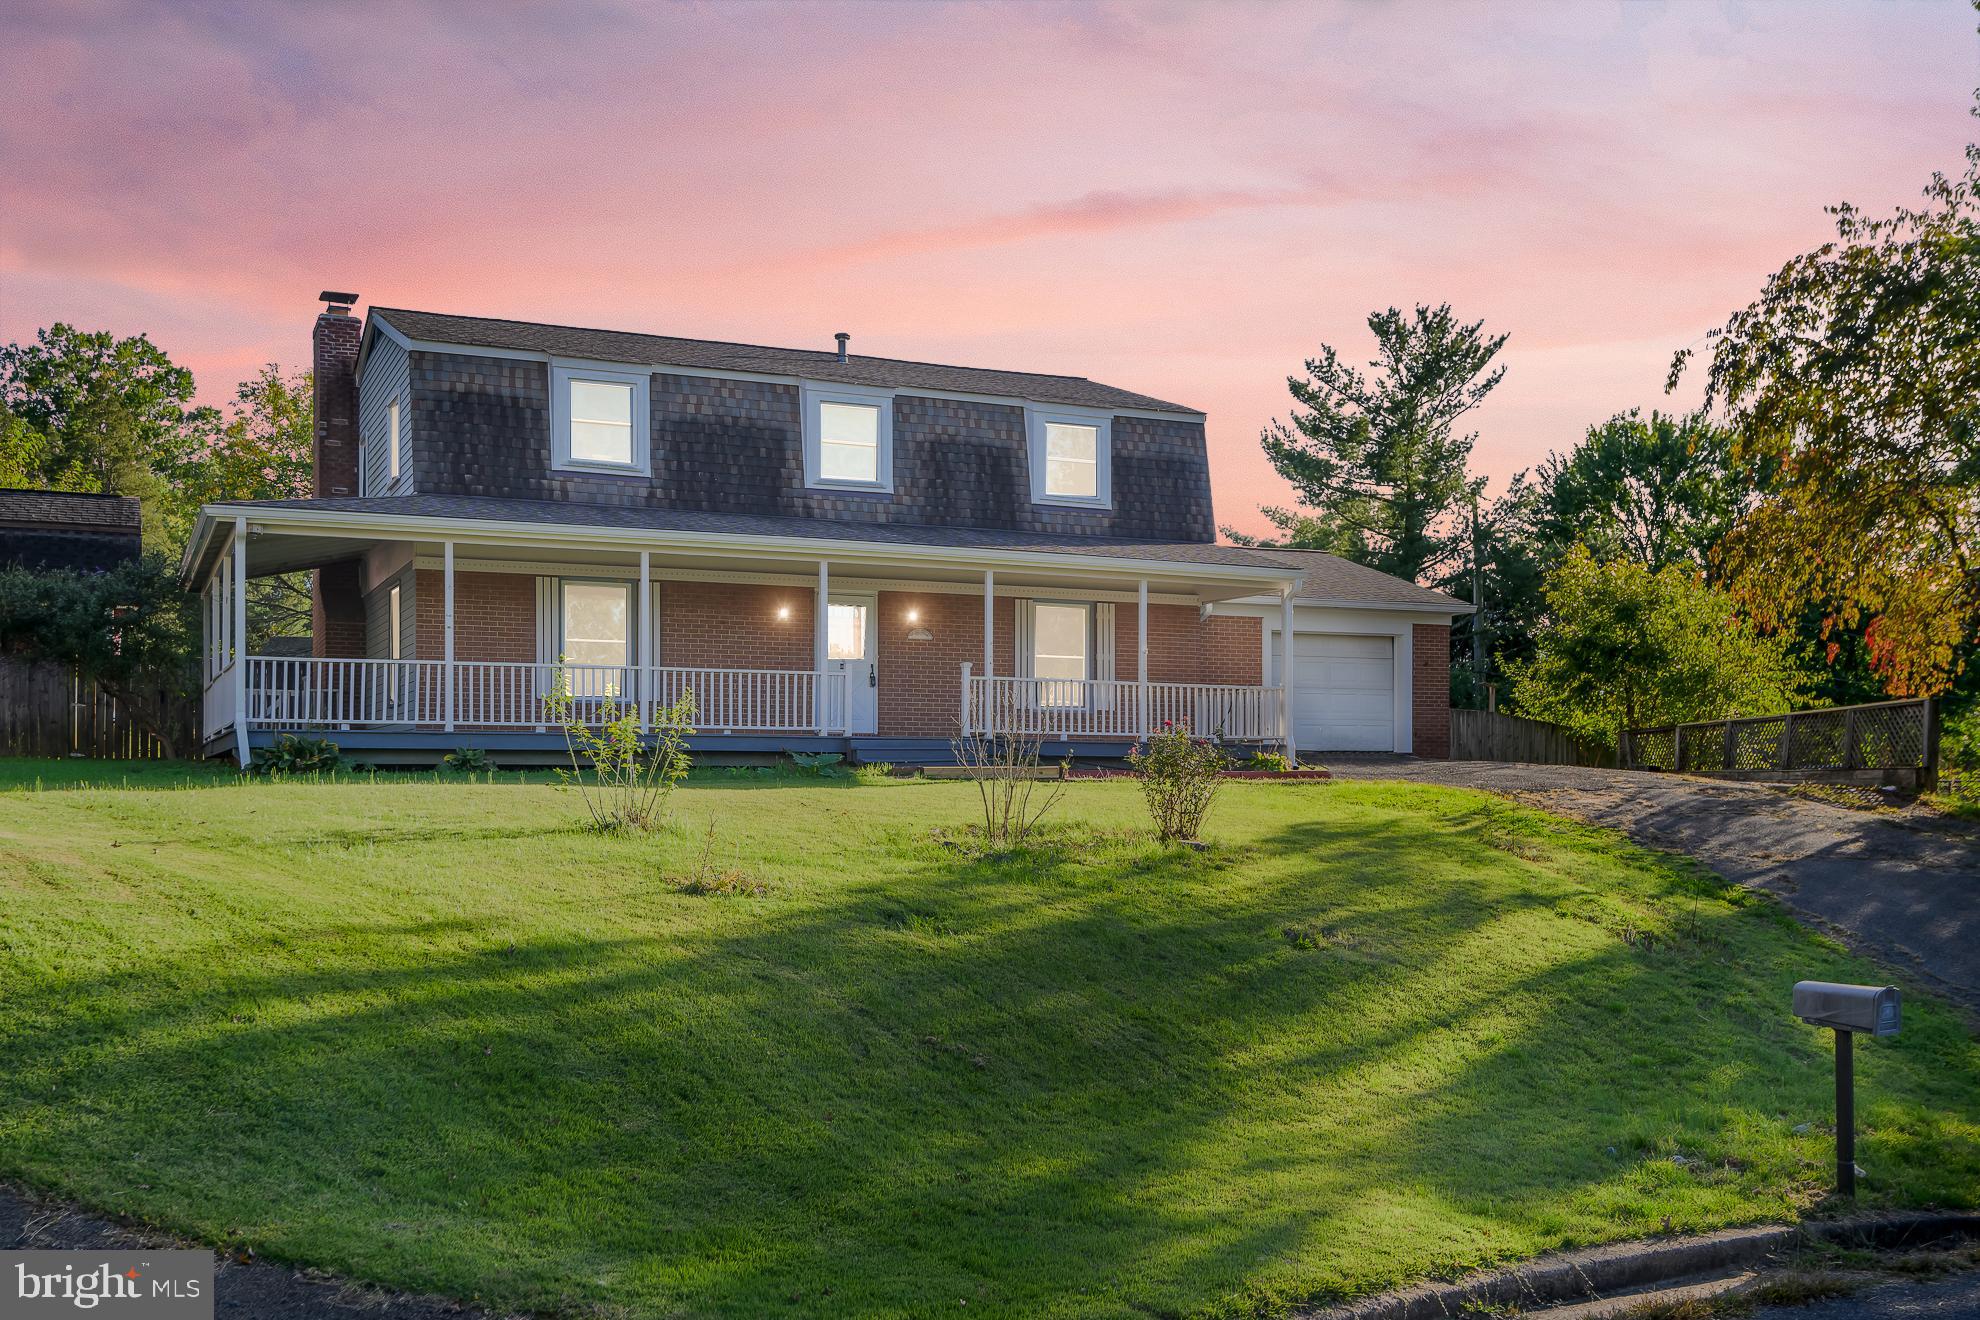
436 1036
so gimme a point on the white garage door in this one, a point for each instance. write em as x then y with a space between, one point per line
1344 693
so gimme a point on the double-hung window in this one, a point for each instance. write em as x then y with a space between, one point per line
1061 651
1071 458
594 634
848 438
600 420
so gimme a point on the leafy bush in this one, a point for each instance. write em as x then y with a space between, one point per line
1959 740
1275 762
625 784
1180 776
467 760
293 754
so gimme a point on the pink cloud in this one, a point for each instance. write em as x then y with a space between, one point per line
1186 200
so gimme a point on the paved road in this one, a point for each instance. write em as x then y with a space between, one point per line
1936 1299
1904 889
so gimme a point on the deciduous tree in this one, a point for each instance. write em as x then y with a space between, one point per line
1857 370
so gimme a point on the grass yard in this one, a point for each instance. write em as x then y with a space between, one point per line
435 1035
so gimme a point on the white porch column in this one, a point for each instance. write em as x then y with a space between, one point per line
447 631
989 623
1286 672
240 641
642 655
1141 653
821 631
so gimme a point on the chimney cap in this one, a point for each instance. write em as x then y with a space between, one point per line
336 299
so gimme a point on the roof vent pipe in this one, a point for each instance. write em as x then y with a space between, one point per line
842 337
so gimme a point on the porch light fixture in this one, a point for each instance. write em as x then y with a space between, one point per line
917 633
914 616
783 613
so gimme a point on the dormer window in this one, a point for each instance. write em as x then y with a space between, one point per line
848 439
599 420
1071 458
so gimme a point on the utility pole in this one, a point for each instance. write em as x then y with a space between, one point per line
1477 597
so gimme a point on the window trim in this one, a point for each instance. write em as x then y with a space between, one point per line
1088 660
397 639
393 433
813 399
561 376
1035 422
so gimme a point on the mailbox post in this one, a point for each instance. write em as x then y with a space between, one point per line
1847 1009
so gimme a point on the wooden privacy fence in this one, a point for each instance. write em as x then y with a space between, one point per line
1484 735
1897 740
46 710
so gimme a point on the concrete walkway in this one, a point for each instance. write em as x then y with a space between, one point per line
1902 888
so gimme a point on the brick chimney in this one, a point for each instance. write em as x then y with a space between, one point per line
337 625
334 354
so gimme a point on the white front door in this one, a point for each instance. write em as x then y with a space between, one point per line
852 642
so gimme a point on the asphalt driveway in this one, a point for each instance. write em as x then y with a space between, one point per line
1902 888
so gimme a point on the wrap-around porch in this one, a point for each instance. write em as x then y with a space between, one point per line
473 640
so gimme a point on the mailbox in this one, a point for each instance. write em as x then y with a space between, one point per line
1870 1009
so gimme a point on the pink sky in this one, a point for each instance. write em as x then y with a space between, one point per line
1180 199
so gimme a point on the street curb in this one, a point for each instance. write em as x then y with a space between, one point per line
1595 1272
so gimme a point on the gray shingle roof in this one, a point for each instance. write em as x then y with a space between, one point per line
1333 579
1326 576
60 508
821 365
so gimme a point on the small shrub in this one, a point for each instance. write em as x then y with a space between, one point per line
1275 762
1007 775
293 754
625 784
1180 776
467 761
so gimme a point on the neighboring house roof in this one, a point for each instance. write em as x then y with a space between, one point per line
61 529
1338 581
1327 577
61 508
715 355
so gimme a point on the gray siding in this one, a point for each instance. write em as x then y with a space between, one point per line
385 379
377 619
730 446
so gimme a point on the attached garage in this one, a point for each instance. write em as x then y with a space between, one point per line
1343 692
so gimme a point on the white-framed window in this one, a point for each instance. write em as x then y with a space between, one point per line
600 419
398 645
1071 457
848 438
1061 651
594 622
392 447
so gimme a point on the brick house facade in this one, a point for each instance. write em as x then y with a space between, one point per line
834 549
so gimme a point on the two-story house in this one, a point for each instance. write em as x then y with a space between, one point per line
829 551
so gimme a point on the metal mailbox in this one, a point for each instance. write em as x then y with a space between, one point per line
1872 1010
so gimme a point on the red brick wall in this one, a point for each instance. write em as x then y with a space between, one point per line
336 611
1183 648
723 625
494 616
719 625
1430 689
921 682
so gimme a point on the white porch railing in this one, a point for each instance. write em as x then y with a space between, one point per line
303 693
1112 708
216 704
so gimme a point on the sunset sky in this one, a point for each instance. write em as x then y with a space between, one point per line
1185 200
